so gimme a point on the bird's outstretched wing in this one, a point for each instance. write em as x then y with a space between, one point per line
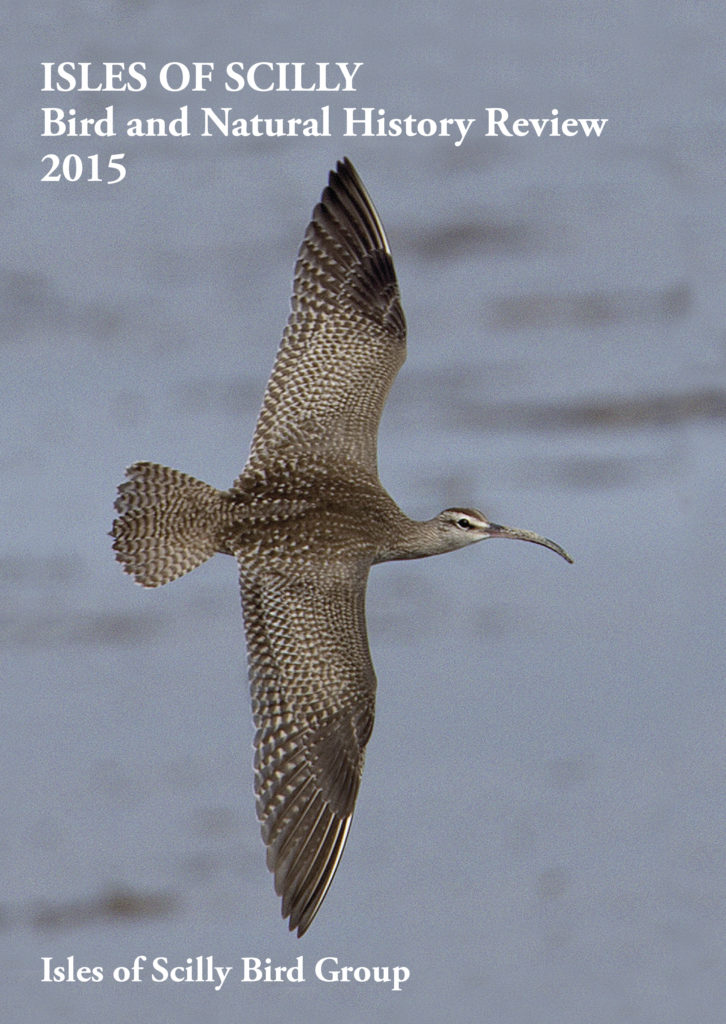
313 696
345 339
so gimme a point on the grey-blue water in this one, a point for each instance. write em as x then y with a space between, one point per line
540 830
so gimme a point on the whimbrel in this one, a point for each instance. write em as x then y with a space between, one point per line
306 520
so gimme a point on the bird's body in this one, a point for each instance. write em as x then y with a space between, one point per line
306 520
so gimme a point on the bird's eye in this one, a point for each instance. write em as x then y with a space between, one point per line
464 524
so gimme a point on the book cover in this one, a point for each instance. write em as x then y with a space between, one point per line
539 829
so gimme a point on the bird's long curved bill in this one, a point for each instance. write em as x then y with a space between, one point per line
495 530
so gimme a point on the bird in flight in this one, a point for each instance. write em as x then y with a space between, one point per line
306 520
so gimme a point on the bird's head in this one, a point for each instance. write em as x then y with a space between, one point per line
458 527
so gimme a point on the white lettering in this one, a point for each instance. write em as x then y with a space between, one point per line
327 970
497 118
69 971
361 121
252 77
56 121
113 76
296 76
349 76
194 969
591 124
221 121
253 970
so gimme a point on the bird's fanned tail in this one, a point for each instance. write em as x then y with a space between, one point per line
168 523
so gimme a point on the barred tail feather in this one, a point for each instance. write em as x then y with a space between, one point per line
168 523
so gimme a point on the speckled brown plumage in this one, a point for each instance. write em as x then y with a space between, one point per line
305 520
345 338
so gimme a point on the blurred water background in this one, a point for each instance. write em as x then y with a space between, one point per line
540 830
